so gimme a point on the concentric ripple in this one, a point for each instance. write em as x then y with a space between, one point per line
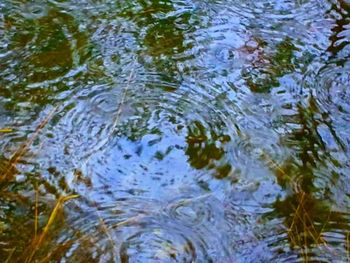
261 150
277 10
150 129
332 89
273 20
136 230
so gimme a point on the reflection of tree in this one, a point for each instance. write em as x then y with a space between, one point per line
165 33
162 34
206 149
40 49
262 78
306 214
338 39
164 38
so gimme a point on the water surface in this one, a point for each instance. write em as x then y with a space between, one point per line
174 131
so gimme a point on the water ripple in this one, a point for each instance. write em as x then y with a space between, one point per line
331 87
139 229
192 131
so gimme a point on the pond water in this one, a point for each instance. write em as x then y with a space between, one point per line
175 131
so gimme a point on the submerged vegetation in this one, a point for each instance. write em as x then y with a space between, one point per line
174 131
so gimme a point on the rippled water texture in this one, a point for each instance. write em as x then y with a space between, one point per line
175 131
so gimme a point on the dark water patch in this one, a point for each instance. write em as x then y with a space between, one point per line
46 48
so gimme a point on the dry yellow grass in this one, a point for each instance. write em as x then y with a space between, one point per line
24 148
299 237
38 240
